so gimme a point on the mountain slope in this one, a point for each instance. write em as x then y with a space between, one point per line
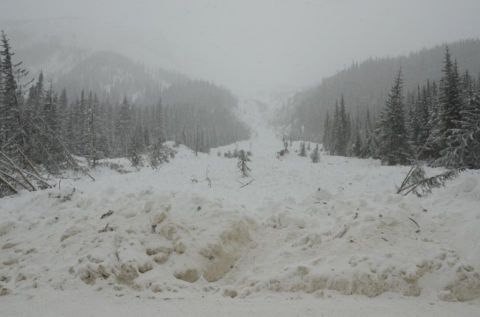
114 75
366 85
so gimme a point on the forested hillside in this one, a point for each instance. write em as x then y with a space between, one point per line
106 106
437 121
366 85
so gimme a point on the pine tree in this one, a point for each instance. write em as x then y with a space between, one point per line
136 147
11 129
369 145
242 163
357 142
123 126
315 156
450 100
160 122
90 131
51 149
63 113
422 112
342 130
433 146
463 144
393 137
303 151
327 133
50 114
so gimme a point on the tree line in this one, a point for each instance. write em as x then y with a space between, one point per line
42 125
438 123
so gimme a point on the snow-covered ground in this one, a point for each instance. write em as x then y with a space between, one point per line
301 239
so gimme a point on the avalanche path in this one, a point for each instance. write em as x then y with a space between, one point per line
194 238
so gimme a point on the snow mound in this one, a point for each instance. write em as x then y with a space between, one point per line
297 227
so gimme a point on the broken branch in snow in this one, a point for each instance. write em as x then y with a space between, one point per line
342 233
107 214
10 186
417 182
416 223
246 184
10 177
17 169
105 229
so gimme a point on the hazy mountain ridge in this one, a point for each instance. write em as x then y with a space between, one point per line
367 84
114 75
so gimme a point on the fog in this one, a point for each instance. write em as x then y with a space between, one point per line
251 45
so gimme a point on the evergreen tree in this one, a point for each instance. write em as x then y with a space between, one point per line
450 100
327 132
136 147
63 113
342 130
123 126
315 156
334 134
433 145
357 142
11 128
90 131
242 163
369 144
303 151
463 144
393 137
160 122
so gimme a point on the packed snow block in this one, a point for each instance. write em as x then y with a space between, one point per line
90 273
222 255
70 232
6 227
158 218
353 282
4 291
126 273
464 287
189 275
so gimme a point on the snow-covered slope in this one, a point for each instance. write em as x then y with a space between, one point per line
292 239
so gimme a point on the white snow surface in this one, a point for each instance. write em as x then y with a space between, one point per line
301 239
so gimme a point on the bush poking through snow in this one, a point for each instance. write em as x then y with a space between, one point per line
159 154
135 159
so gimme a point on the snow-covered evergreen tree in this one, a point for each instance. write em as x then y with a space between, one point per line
123 127
315 156
302 151
326 140
450 102
393 136
463 143
11 129
243 159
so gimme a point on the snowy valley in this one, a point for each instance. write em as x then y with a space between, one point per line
239 158
195 238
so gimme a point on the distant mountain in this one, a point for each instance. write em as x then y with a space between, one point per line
367 84
114 75
78 60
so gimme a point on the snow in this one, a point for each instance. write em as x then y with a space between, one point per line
331 238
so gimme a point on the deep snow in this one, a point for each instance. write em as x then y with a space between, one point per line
294 241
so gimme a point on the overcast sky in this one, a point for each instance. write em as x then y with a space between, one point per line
250 45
